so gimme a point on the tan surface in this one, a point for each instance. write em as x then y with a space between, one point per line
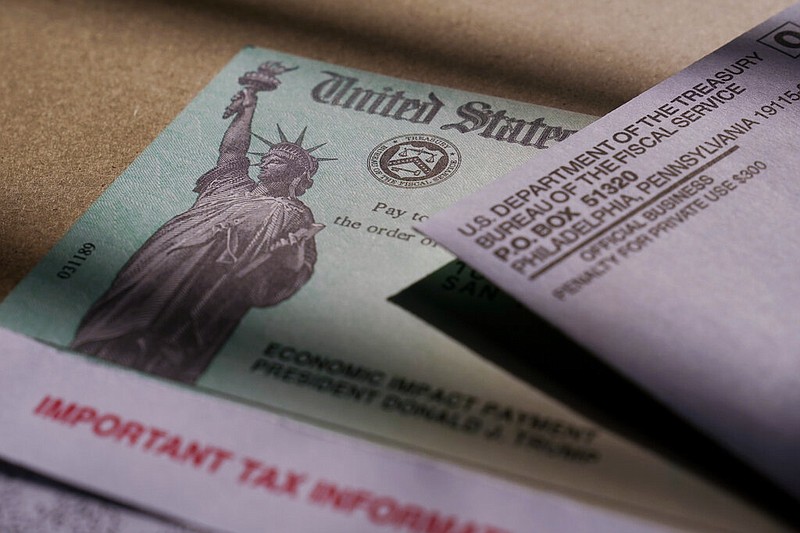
86 85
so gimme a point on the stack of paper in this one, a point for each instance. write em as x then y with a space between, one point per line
244 332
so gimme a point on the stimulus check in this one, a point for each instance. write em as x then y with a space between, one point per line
663 237
251 249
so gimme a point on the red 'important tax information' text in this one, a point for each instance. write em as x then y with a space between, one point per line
379 510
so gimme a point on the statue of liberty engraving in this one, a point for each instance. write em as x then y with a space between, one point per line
244 243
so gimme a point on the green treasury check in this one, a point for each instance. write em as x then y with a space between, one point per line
251 249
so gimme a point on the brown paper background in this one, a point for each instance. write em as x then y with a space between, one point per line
87 84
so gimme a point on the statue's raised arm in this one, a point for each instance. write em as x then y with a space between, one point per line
236 141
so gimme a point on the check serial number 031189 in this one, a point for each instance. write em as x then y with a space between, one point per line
77 260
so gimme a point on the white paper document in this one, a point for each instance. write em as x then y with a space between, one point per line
202 264
29 503
221 464
664 237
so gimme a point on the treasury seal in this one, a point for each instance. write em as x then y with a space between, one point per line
413 161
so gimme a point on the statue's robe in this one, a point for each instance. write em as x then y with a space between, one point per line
180 296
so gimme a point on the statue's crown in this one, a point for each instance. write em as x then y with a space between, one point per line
294 150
